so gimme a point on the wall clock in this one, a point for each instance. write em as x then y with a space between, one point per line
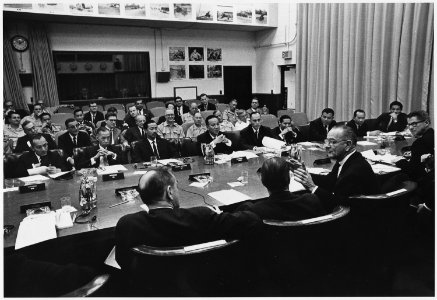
19 43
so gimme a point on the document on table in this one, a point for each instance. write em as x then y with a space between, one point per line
199 184
58 174
318 171
170 160
35 229
12 189
382 169
110 169
366 143
308 144
33 178
248 154
140 172
227 197
234 184
222 158
273 143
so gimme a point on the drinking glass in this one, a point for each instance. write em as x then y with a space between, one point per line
244 177
153 161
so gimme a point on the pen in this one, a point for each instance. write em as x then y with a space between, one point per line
117 204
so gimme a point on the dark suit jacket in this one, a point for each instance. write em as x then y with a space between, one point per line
362 131
286 206
423 145
142 150
210 106
27 159
184 108
22 144
356 178
133 134
99 117
248 137
84 158
66 144
289 137
219 148
384 119
180 227
177 119
147 113
130 121
318 131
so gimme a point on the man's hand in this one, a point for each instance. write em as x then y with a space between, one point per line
220 139
394 116
302 176
70 160
52 170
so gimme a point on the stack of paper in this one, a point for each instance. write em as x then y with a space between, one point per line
227 197
33 178
35 229
366 143
222 158
110 169
248 154
382 169
308 144
318 171
273 143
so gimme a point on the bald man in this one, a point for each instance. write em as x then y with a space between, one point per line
170 129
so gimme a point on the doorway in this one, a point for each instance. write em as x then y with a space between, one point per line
237 81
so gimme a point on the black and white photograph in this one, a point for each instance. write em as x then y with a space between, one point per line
177 72
244 14
196 71
214 71
195 53
85 8
204 12
109 9
176 53
135 9
160 10
261 15
18 5
225 13
183 11
214 54
51 7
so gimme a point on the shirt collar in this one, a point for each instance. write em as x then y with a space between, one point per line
341 162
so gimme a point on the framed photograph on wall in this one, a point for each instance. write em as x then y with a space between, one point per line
186 92
160 10
109 9
196 71
205 12
177 72
51 7
261 15
135 9
83 8
176 53
214 71
225 13
244 14
195 53
214 54
183 11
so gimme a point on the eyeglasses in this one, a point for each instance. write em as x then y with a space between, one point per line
73 126
414 124
333 142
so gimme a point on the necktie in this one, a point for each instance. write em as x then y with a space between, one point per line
155 151
92 118
327 130
74 140
335 169
256 132
44 161
112 137
142 133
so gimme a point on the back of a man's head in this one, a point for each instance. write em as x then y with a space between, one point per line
153 185
275 174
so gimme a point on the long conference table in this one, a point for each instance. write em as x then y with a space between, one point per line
107 216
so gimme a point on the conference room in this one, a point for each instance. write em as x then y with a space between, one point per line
245 149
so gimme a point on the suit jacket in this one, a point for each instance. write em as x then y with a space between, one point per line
52 158
318 131
210 106
185 109
290 137
248 137
219 148
360 132
143 150
423 145
286 206
130 121
180 227
384 119
66 144
177 119
24 141
147 113
133 134
99 117
356 178
83 160
117 136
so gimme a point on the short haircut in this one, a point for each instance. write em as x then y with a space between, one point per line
240 112
36 136
45 114
101 129
254 112
255 98
209 118
169 102
77 110
111 109
40 100
132 105
191 104
110 114
275 174
178 98
348 134
142 101
233 100
69 120
203 94
154 188
12 112
37 104
146 125
92 102
283 117
396 103
359 111
421 115
328 111
214 112
25 123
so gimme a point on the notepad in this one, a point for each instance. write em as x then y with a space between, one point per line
248 154
273 143
33 178
110 169
35 229
381 169
228 197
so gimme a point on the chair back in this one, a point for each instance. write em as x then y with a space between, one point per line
64 109
118 106
189 148
60 118
371 124
287 112
269 120
222 106
158 111
299 118
10 161
153 104
86 108
185 126
90 288
57 134
206 113
305 130
234 136
156 119
121 114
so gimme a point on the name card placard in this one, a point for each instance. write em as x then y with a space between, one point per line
127 188
192 177
24 208
113 176
238 160
181 167
32 187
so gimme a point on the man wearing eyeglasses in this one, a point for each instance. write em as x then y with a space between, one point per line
73 138
170 129
420 126
24 142
351 174
93 115
115 134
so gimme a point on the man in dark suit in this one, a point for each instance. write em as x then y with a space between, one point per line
152 145
286 131
100 155
281 203
135 133
358 124
252 135
115 134
130 117
119 123
215 137
82 123
40 160
420 126
142 110
180 108
93 115
395 120
73 138
205 105
351 174
166 224
320 127
24 142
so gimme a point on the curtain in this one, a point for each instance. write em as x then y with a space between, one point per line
352 56
44 77
12 89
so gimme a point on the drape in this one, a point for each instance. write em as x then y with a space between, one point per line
366 55
12 89
44 77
